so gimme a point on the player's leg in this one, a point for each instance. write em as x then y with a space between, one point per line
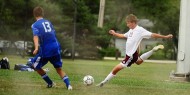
148 54
112 74
38 64
46 78
125 63
64 77
57 63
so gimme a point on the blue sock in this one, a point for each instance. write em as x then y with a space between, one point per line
66 80
47 79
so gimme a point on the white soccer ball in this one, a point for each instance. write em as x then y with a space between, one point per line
88 80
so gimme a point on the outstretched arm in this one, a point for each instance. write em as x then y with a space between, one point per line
116 34
155 35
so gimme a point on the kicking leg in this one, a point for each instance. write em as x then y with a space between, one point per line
148 54
127 62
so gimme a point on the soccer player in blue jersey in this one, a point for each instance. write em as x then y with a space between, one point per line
47 48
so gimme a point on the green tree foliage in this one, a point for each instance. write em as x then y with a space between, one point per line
165 15
16 18
86 20
13 18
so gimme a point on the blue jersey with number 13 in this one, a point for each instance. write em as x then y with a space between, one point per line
49 46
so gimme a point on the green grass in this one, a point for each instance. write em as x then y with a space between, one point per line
145 79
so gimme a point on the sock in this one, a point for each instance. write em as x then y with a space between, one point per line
109 77
66 80
47 79
146 55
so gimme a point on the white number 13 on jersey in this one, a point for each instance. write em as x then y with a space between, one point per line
46 26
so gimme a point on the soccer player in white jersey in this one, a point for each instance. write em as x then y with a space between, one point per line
47 48
134 37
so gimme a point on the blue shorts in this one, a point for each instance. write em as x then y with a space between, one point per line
39 61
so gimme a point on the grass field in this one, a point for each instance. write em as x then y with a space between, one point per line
145 79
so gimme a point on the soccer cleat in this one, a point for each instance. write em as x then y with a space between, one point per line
100 84
51 85
158 47
70 87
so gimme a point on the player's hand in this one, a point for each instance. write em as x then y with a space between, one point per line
169 36
35 51
112 32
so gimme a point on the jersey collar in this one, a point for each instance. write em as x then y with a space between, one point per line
39 19
135 27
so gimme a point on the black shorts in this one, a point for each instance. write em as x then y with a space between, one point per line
128 61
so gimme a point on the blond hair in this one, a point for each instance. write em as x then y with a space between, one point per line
131 18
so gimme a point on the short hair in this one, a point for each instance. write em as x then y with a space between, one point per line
38 12
131 18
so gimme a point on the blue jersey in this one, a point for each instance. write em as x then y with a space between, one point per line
49 45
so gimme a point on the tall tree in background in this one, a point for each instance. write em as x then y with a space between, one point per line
85 24
164 14
13 18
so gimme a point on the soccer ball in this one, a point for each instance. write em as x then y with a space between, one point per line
88 80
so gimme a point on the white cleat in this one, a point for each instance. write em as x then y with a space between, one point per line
70 87
100 84
158 47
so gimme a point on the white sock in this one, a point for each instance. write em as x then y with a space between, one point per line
146 55
109 77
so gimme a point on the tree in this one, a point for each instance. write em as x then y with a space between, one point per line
164 14
12 18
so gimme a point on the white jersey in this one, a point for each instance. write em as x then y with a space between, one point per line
134 37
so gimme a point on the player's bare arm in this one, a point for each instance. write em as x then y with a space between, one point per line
116 34
155 35
35 38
